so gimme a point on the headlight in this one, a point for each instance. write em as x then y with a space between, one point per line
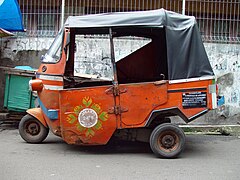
35 85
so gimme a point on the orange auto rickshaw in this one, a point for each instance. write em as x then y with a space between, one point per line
122 74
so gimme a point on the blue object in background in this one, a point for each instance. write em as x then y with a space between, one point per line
25 68
221 101
10 15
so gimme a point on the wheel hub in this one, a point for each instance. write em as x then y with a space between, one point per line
33 128
168 141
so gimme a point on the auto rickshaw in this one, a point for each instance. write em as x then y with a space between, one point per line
92 87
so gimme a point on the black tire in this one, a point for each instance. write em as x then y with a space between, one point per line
167 140
32 130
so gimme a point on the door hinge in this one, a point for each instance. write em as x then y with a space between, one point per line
116 91
117 110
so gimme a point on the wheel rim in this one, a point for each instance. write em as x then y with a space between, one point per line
168 141
32 128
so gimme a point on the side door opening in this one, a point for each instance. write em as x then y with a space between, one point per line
141 74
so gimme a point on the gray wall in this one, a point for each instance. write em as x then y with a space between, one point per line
224 59
20 52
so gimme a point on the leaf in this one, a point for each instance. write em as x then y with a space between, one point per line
92 133
89 133
77 109
80 128
103 116
87 101
98 125
96 107
71 118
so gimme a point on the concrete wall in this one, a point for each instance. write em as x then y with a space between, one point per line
20 52
224 59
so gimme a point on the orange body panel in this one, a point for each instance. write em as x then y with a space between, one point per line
49 99
139 100
75 101
37 113
136 102
143 98
175 92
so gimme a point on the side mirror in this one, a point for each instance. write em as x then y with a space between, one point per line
67 43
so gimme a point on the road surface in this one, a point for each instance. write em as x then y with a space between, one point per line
205 157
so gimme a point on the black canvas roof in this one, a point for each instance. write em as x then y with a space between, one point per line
186 55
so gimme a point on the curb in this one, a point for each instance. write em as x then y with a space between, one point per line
232 130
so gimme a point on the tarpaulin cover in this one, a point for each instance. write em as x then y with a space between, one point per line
10 16
186 56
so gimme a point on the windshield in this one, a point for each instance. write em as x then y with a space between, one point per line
92 57
54 52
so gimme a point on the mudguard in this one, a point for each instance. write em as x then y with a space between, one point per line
37 113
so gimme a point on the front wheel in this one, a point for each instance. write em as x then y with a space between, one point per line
32 130
167 140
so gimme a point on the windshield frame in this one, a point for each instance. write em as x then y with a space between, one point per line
56 46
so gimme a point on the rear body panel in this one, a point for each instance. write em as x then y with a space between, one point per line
138 102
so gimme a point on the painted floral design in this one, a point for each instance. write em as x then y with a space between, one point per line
87 102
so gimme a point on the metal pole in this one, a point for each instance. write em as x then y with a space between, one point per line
115 81
183 6
62 15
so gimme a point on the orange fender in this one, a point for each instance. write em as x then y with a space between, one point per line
37 113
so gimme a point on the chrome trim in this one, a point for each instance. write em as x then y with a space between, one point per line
50 78
198 114
191 79
181 115
51 87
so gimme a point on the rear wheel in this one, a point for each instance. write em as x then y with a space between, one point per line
32 130
167 140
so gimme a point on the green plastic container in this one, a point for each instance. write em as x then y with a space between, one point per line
17 95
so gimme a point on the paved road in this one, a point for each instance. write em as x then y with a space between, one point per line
205 157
